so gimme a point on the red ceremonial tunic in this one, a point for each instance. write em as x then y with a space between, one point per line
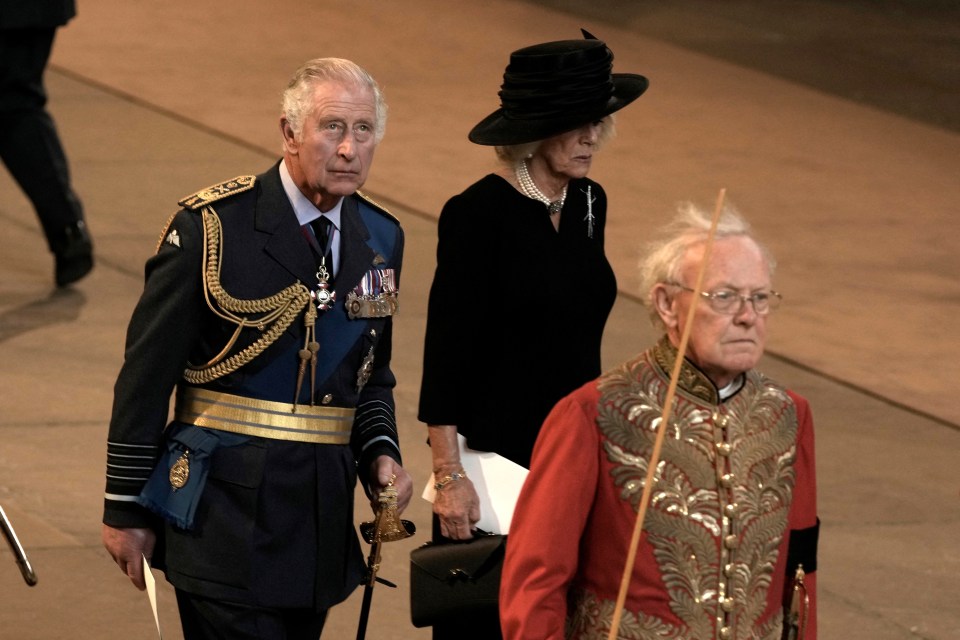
734 478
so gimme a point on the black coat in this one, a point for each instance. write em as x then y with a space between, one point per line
20 14
516 312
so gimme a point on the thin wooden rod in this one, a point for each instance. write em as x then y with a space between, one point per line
662 429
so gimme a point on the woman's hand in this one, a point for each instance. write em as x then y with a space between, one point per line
458 508
456 505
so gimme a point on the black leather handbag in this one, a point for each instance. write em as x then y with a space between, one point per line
452 579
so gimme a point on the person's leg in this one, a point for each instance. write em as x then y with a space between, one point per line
205 619
32 152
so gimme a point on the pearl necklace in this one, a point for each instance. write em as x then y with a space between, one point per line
529 189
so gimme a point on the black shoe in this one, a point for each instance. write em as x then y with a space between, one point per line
74 254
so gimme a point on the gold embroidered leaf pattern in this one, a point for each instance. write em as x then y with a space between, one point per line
687 522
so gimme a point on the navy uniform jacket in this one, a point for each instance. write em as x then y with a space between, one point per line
274 526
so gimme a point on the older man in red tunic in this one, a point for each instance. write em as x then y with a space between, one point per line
732 516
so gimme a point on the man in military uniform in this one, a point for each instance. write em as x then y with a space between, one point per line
268 309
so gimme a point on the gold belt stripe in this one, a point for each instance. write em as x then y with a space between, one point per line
262 418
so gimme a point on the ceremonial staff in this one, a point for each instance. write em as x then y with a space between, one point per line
662 429
21 556
386 527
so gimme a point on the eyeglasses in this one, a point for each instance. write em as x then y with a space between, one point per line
730 302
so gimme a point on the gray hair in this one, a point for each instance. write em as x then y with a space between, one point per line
297 97
689 227
510 155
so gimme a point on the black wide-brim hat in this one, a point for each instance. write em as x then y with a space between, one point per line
555 87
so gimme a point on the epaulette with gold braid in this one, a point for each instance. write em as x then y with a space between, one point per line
216 192
376 205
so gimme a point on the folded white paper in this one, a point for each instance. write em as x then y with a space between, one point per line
151 593
498 482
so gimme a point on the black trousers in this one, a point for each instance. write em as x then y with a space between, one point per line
204 619
29 144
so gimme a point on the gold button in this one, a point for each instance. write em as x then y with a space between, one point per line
731 541
722 421
731 509
724 448
726 633
727 604
726 480
327 399
728 570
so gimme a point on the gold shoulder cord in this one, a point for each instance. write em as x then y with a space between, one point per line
278 311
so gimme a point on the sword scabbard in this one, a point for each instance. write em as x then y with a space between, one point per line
21 556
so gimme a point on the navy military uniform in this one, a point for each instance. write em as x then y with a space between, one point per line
224 319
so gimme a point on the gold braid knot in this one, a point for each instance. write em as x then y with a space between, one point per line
279 310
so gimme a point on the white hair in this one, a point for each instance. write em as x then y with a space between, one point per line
298 96
689 227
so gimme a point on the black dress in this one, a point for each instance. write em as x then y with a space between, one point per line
516 312
516 315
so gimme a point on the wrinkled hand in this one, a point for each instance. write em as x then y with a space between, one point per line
458 508
381 471
126 545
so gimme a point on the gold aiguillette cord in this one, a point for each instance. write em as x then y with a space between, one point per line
661 431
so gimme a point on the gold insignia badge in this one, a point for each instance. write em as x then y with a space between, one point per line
217 192
366 368
180 471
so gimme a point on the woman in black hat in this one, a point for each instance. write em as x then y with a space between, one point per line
522 288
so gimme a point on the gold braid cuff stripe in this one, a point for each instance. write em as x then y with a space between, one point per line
279 310
263 418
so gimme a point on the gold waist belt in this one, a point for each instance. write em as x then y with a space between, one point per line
262 418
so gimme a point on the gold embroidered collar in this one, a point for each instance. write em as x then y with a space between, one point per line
692 380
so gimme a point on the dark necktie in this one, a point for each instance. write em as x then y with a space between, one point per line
323 229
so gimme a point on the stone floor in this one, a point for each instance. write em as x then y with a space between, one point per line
789 106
